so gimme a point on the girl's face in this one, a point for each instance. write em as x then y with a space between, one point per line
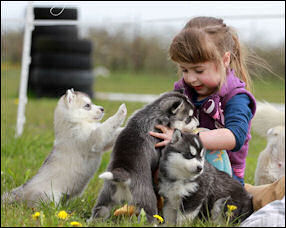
204 77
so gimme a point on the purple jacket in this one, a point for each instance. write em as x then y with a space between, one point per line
211 116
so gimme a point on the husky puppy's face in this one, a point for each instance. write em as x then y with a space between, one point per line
79 107
184 156
181 112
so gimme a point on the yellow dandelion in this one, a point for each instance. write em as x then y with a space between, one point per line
231 207
62 215
16 101
161 220
76 224
36 215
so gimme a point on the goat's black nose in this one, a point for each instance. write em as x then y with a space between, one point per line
101 109
199 168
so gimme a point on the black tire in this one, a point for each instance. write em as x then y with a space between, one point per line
30 80
58 92
66 14
46 44
67 31
56 78
62 61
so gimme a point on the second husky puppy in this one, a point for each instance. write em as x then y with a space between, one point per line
134 158
79 143
191 186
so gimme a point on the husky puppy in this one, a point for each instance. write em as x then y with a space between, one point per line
134 158
271 161
191 186
80 140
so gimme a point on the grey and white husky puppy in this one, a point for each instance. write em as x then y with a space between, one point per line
80 140
192 187
134 158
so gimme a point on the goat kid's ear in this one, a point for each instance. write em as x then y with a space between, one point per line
177 135
70 95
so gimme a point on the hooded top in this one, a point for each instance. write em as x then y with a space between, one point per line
211 113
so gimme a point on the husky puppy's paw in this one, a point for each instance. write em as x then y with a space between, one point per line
101 212
122 113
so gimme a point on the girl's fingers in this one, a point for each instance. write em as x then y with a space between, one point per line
163 143
166 135
157 135
162 128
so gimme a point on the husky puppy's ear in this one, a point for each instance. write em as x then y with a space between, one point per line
70 95
172 104
177 106
181 90
177 135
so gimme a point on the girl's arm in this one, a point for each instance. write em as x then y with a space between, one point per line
216 139
232 137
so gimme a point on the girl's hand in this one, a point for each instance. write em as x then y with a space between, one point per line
166 135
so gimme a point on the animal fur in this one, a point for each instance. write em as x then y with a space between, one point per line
134 158
267 116
271 161
192 187
80 140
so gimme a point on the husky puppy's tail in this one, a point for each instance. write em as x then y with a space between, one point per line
117 175
267 116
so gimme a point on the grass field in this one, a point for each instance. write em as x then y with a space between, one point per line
269 89
21 157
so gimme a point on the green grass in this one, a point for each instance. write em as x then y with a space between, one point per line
135 83
22 157
271 90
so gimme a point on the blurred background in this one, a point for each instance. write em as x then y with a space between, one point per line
135 36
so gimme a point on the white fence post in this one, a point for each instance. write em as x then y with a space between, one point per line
26 60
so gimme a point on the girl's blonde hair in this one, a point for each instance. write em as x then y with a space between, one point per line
208 39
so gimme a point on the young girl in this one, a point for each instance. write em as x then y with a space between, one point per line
216 80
